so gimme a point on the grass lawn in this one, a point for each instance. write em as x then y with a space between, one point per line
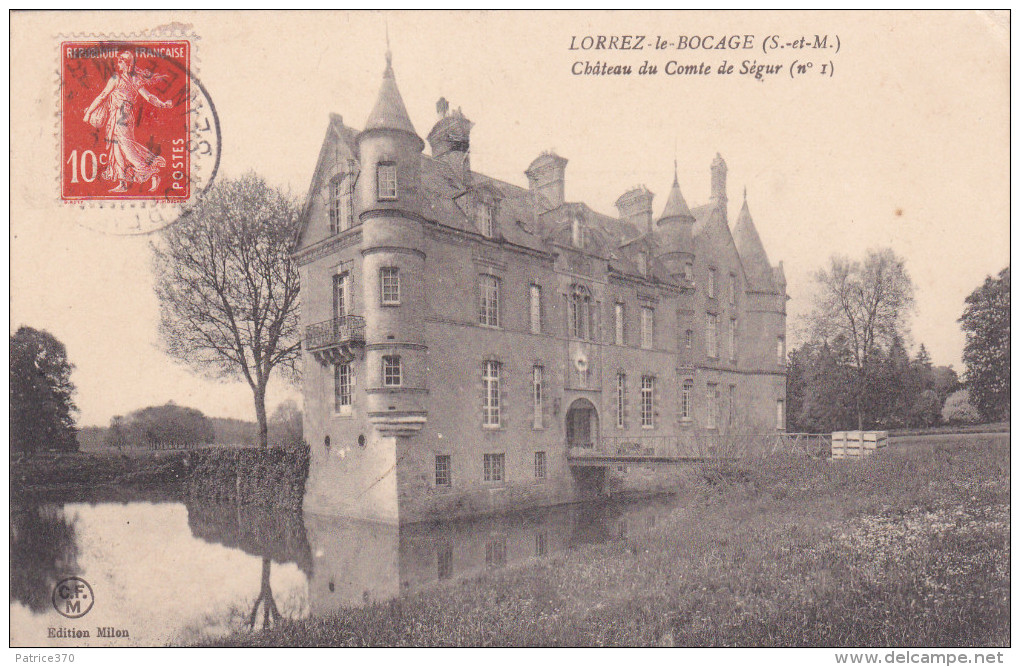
907 548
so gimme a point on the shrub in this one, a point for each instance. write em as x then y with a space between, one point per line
959 410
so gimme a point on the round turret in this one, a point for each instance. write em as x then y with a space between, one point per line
390 203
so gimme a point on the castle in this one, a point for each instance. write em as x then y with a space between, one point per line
472 345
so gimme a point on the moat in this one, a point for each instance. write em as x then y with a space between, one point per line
168 572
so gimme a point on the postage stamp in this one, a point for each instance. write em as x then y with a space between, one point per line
125 121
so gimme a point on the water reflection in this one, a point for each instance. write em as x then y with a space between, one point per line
153 578
271 535
44 550
358 562
173 572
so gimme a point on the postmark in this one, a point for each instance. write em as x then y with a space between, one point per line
73 597
125 120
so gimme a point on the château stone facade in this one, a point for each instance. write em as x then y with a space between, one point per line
473 345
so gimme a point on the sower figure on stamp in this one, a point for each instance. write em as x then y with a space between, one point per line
114 111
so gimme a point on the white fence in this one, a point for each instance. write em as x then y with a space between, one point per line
857 444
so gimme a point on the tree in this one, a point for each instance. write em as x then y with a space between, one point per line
986 352
944 381
825 401
926 409
865 303
117 435
923 359
227 288
41 393
285 426
167 427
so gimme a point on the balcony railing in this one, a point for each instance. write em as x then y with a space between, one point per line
703 444
335 339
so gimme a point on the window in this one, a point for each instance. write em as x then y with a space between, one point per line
642 263
733 288
443 470
541 543
619 313
493 467
340 300
711 283
389 285
536 397
780 415
539 465
341 209
711 338
647 401
444 561
391 370
343 380
488 305
621 400
386 175
713 406
582 323
647 327
495 553
689 271
780 350
688 339
536 309
686 391
490 381
486 219
731 343
731 413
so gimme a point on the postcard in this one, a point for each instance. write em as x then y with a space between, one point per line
514 329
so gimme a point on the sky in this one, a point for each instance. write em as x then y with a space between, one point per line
905 145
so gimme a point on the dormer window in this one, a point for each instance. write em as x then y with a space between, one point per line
341 204
486 212
577 231
386 179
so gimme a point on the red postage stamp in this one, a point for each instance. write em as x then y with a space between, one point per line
125 120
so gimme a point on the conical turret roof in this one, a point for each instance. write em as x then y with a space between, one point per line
676 205
752 252
779 276
389 112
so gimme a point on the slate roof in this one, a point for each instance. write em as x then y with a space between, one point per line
676 205
752 253
389 111
528 220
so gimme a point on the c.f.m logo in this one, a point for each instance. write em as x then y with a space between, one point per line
73 597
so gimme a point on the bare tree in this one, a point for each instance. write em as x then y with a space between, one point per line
227 288
865 304
270 614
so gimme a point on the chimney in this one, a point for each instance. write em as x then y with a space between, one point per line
718 198
545 178
635 206
450 139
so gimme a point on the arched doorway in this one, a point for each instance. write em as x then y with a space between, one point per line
582 424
